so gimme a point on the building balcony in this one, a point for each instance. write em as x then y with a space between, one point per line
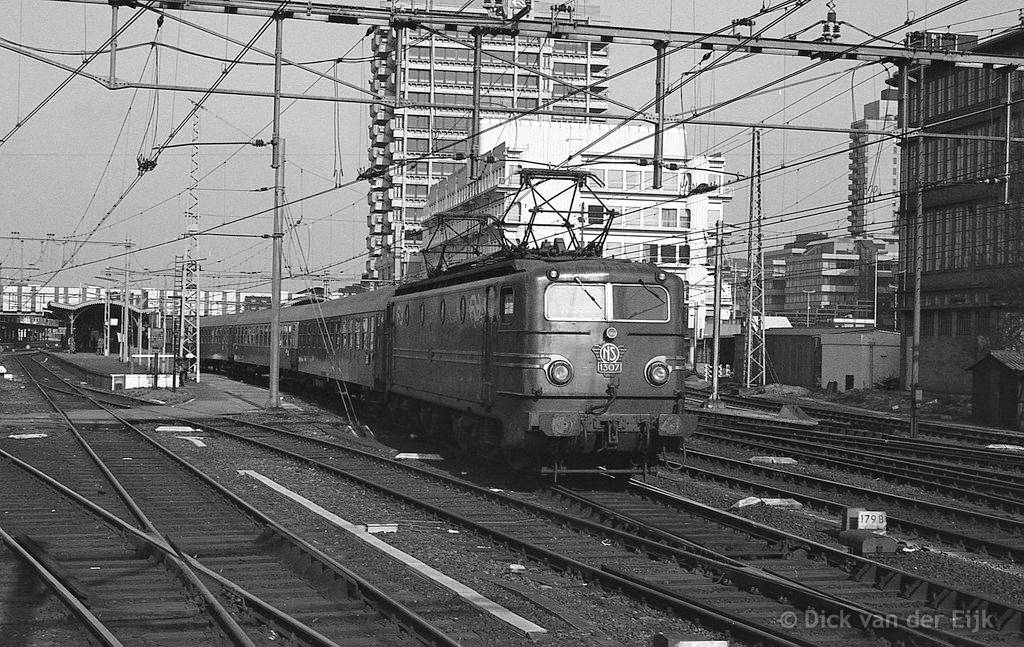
380 113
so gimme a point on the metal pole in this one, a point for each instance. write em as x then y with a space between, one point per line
124 308
275 281
915 366
874 294
716 324
1006 144
113 43
659 127
138 334
474 151
106 321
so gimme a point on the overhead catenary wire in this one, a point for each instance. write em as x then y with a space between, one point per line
147 165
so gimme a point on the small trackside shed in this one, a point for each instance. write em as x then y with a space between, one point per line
997 389
851 358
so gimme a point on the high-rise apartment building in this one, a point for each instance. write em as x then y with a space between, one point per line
427 138
874 171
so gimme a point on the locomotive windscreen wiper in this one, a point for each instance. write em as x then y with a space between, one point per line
587 292
656 295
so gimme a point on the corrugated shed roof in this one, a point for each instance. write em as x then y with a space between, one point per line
1011 359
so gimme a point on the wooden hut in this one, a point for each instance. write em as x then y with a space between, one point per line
997 389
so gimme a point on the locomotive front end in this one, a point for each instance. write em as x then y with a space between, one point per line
611 359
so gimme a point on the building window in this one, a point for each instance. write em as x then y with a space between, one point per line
668 254
944 320
526 103
684 254
633 180
927 324
650 217
652 254
963 323
669 217
684 218
614 179
417 145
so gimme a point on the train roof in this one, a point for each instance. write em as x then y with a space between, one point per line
612 266
368 302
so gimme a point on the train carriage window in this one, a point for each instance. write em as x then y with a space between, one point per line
405 315
462 309
441 313
508 304
423 313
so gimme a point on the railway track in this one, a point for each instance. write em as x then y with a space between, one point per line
1003 492
951 454
121 589
268 572
649 510
959 527
848 417
723 591
62 395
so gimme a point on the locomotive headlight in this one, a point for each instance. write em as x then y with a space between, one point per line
661 277
552 274
657 373
559 372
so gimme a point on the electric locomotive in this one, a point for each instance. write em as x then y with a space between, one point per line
543 361
559 361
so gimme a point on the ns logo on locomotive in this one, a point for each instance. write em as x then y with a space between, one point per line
573 361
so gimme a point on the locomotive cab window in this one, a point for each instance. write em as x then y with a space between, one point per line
606 302
508 304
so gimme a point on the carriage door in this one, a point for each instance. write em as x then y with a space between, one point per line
487 348
293 346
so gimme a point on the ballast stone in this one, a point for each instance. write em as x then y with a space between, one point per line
773 460
685 640
789 504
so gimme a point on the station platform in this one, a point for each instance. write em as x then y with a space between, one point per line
214 395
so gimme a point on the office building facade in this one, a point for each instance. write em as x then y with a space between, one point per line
972 197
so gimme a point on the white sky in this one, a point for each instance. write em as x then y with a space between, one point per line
56 178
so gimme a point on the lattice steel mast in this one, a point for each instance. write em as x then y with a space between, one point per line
188 321
755 373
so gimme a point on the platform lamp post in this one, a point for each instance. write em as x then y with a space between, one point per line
807 317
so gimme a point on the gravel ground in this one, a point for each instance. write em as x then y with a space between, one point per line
605 618
966 571
19 396
998 578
